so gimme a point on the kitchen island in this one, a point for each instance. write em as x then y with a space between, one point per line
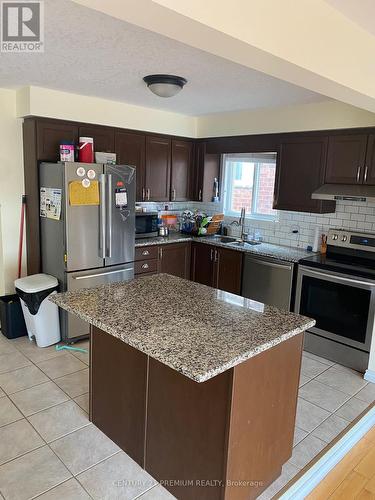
197 385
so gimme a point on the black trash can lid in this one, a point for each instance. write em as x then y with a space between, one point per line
36 283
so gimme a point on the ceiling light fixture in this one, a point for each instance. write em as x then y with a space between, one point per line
165 85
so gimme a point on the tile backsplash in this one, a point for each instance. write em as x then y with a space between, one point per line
356 216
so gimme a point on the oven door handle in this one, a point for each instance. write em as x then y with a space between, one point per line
338 278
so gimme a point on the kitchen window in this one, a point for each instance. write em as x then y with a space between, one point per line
249 180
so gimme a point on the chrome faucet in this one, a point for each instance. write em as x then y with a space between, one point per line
241 223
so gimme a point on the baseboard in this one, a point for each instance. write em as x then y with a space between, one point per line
369 376
306 483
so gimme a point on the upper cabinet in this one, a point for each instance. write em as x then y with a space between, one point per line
182 158
131 150
50 134
158 168
346 159
207 168
369 172
104 137
300 171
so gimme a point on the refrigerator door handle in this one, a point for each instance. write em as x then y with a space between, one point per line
102 216
88 276
109 217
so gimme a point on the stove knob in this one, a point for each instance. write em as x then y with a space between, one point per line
344 238
335 236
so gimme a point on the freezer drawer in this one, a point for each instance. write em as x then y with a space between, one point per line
74 327
268 281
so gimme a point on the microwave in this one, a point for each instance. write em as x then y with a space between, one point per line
146 224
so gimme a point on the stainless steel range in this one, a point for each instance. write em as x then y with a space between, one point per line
338 291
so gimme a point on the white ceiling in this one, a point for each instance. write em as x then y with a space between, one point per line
361 12
90 53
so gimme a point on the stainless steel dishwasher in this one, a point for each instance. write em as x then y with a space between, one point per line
268 280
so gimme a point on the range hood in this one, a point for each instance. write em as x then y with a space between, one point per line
360 192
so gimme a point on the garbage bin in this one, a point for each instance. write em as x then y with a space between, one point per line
41 315
11 317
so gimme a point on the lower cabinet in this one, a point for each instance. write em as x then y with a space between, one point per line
146 261
210 265
217 267
173 258
202 263
228 272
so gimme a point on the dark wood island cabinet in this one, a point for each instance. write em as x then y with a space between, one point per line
196 386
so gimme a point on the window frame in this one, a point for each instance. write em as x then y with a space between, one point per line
228 187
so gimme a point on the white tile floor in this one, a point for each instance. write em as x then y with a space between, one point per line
49 449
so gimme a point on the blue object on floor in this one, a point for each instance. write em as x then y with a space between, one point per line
69 348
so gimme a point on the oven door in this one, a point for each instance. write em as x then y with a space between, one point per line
342 305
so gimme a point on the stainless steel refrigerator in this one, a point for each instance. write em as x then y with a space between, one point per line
87 221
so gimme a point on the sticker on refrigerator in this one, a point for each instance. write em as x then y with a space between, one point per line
91 174
80 195
50 203
80 171
121 198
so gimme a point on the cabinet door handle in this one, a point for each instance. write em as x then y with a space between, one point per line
148 192
160 253
216 255
212 253
358 173
173 194
145 252
145 266
366 172
143 194
200 195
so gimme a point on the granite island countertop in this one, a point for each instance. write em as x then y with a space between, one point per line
192 328
279 252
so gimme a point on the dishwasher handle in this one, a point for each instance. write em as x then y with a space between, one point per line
269 263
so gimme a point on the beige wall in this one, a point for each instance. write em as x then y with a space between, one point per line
11 188
314 116
327 114
56 104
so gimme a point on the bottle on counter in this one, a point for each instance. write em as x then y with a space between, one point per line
323 246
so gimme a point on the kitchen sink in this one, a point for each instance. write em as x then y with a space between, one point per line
224 239
244 244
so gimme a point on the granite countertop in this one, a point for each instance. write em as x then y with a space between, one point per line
194 329
279 252
173 237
